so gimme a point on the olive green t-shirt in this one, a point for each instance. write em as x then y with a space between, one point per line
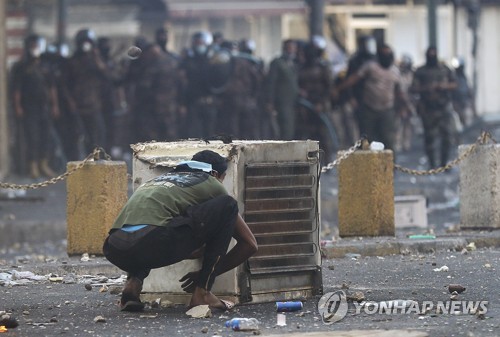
158 200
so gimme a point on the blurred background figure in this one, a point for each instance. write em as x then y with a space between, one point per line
86 79
381 90
35 104
315 82
67 124
405 107
434 82
199 112
463 96
366 50
161 39
238 115
282 91
342 116
154 79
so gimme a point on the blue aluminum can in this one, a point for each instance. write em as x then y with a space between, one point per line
289 306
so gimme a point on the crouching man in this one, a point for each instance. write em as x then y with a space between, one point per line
183 214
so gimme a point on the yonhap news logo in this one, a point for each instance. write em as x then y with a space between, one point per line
333 307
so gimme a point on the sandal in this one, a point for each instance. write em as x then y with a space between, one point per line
228 305
132 306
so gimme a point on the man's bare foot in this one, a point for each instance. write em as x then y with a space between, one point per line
130 300
202 296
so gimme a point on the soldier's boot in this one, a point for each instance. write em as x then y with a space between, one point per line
34 170
46 170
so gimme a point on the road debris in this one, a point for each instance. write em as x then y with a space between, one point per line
85 257
357 296
99 319
443 268
471 246
8 321
281 320
200 311
456 288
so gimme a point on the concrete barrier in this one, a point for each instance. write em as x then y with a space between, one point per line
366 194
95 195
480 187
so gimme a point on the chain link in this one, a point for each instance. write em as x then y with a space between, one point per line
92 156
481 140
343 156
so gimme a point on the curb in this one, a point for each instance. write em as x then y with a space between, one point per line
31 232
96 266
383 246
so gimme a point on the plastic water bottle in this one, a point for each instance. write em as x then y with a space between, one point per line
243 324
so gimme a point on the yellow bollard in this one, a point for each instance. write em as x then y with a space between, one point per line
366 194
95 195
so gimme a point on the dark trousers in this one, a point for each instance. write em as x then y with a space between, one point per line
210 223
437 123
379 125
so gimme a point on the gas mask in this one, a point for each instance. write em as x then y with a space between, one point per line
86 46
200 49
35 52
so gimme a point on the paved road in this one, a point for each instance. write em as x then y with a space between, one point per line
50 309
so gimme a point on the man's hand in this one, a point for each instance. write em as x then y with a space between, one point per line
189 281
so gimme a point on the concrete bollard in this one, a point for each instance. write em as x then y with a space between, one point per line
366 194
95 195
480 187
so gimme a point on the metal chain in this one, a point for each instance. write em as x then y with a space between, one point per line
92 156
481 140
344 155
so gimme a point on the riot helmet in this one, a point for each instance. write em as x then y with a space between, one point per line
34 45
85 40
458 62
246 46
200 41
315 48
406 62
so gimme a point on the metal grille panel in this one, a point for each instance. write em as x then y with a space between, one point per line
280 209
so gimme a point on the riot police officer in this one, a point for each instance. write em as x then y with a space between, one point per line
315 83
34 95
434 82
238 98
198 110
86 78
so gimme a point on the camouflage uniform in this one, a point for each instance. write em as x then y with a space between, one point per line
315 82
282 92
154 79
435 109
197 97
238 112
86 79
